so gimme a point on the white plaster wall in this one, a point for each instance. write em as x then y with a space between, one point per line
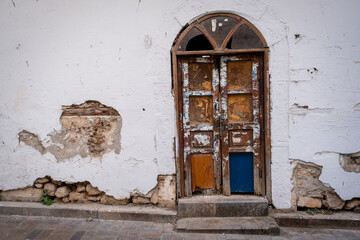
57 53
330 43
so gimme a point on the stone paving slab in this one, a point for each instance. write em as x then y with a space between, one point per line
91 210
240 225
41 228
222 206
341 219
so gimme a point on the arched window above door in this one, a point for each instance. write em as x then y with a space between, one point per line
219 32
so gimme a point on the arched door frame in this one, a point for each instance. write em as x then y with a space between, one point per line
218 50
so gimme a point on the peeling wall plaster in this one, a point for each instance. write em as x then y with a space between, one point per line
90 129
311 192
118 54
350 162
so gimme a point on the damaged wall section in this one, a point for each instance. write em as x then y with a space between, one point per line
163 194
350 162
90 129
310 192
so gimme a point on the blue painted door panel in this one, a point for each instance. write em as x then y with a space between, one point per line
241 172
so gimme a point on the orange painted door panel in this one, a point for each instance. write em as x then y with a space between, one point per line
202 166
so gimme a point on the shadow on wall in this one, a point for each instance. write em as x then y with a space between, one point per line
90 129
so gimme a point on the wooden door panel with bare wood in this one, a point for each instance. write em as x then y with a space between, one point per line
200 117
241 120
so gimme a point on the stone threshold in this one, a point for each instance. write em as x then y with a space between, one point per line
299 219
229 225
145 213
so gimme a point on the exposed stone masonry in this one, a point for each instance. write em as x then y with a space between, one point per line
80 192
310 192
90 129
350 162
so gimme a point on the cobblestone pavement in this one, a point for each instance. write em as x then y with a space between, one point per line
31 227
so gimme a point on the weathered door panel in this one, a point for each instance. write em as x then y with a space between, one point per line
202 166
200 101
241 117
220 119
241 172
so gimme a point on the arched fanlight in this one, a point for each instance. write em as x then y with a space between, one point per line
220 32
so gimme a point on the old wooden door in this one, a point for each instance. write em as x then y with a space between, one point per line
200 95
222 122
241 124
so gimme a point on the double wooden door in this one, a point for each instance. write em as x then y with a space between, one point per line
222 124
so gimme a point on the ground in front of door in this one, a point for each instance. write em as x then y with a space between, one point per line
33 227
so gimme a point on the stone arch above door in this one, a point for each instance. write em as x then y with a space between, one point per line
218 35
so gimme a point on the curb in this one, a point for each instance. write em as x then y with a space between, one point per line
346 220
96 211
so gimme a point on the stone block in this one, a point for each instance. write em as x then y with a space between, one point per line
140 199
309 202
192 209
241 208
309 190
77 197
24 195
80 187
43 180
62 192
110 200
38 185
57 183
333 201
351 204
165 192
94 198
50 189
233 225
92 191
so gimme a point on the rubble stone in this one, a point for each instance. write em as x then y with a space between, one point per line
58 183
350 162
332 201
62 192
309 202
38 185
164 194
80 188
139 198
77 197
351 204
92 190
308 190
94 198
43 180
110 200
50 189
